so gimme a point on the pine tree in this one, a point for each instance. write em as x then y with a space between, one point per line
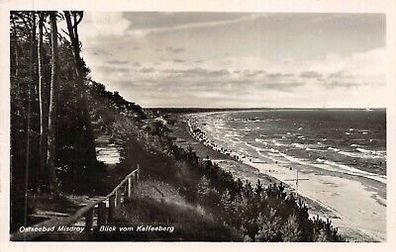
41 94
269 227
52 117
226 202
203 187
290 230
87 142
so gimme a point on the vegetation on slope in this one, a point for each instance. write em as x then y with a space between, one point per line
254 212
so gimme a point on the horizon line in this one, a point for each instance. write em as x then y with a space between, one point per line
256 108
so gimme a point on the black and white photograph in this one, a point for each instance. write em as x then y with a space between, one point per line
198 126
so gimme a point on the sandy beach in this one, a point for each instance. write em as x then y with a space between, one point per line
354 201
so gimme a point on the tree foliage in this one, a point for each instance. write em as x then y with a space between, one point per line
43 93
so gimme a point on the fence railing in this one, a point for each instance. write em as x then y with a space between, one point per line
103 213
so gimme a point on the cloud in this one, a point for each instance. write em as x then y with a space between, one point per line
142 30
106 69
197 72
279 75
212 58
285 87
96 51
147 70
339 75
351 84
311 75
178 60
118 62
328 79
217 73
174 50
145 20
98 24
250 74
336 84
335 75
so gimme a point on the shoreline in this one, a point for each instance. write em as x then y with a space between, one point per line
267 173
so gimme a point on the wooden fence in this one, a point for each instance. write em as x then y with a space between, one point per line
104 214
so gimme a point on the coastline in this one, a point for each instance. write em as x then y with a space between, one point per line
265 172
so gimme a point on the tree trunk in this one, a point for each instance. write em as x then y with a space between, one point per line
52 114
88 140
28 119
15 72
41 95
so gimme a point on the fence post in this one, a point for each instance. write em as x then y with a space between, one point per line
137 172
101 213
125 188
89 219
129 188
118 197
111 206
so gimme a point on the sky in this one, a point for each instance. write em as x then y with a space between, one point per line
238 60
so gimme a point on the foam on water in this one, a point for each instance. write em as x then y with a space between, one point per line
373 153
327 150
278 135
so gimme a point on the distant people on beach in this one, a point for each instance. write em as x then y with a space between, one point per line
195 128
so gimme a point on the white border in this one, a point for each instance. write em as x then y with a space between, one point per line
351 6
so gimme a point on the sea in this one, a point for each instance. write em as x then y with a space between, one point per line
345 139
340 154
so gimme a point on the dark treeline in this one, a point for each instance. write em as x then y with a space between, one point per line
52 140
48 100
55 113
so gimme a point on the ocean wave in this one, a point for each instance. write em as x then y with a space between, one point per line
333 166
323 163
373 153
333 149
276 143
272 158
258 140
298 145
274 154
353 154
294 159
362 153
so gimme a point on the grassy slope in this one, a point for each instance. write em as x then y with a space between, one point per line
159 204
